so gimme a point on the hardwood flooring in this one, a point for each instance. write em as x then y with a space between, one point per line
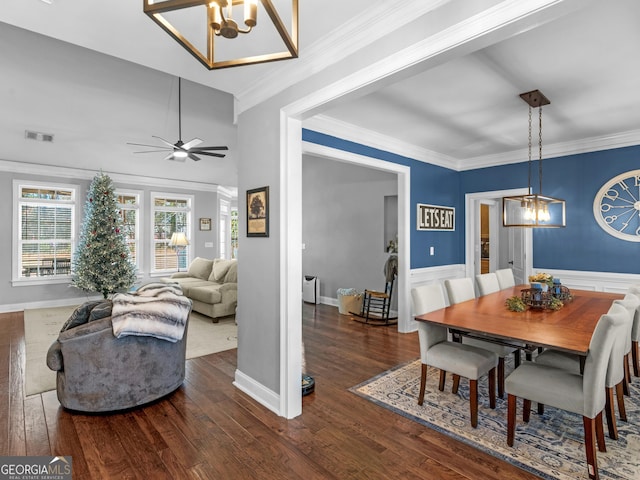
208 429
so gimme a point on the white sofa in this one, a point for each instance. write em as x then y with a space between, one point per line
212 286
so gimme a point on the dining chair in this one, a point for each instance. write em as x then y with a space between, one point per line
459 359
461 290
487 283
505 278
615 369
635 336
570 391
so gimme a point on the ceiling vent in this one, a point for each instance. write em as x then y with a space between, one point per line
39 136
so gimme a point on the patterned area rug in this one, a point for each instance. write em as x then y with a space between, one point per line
550 446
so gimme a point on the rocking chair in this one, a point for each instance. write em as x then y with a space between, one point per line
376 305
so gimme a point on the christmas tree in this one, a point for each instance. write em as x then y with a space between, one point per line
102 262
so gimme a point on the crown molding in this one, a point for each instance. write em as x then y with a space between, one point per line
348 131
353 133
336 45
88 174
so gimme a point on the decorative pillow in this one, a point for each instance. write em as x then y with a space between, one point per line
232 273
220 267
200 268
85 313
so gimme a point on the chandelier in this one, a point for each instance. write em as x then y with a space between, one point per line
203 27
534 209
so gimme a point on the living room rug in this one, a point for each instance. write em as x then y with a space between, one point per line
550 446
42 325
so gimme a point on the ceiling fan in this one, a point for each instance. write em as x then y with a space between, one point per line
179 151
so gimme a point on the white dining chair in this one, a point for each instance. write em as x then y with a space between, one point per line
459 359
570 391
505 278
487 283
615 370
460 290
635 337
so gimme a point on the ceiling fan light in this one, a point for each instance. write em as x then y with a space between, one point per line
250 13
180 154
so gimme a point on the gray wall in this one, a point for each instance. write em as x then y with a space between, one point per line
343 224
18 297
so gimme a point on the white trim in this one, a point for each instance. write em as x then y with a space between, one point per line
594 281
257 391
471 220
373 24
139 194
18 307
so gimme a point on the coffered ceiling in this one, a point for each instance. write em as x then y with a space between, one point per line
463 112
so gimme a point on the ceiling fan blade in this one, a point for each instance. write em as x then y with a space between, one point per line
152 151
193 157
164 141
191 143
211 154
213 148
147 145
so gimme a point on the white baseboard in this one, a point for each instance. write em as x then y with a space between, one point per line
261 394
428 275
63 302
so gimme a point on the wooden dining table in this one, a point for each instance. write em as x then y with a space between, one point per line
569 329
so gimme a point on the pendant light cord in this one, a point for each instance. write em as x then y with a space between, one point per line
179 108
540 147
529 181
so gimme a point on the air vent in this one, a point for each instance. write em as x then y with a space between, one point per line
39 136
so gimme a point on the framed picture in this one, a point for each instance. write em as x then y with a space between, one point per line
258 212
205 224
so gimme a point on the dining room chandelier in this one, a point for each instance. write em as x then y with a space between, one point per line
534 209
203 27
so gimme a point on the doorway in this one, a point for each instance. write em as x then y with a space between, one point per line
490 246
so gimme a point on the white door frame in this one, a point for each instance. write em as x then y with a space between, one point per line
472 221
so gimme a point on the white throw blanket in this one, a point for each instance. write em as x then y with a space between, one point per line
155 310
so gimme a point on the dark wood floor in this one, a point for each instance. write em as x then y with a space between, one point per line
209 429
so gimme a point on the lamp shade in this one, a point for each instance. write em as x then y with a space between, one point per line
178 239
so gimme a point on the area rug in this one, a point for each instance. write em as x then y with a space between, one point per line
42 325
550 446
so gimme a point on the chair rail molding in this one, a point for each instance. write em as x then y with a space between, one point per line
609 282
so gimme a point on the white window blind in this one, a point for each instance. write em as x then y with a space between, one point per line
171 213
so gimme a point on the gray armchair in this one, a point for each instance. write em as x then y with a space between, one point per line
97 372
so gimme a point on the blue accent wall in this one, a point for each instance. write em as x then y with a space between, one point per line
582 245
429 184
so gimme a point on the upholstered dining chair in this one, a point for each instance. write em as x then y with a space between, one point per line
459 359
615 368
487 283
461 290
505 278
635 334
570 391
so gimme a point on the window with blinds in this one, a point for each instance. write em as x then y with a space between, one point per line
46 216
171 213
129 207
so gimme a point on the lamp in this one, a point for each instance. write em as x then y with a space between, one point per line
179 242
218 18
534 209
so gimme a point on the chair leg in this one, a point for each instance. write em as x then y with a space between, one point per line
602 446
540 408
627 371
443 377
517 358
609 414
511 418
622 411
501 377
526 410
423 382
492 388
635 350
473 402
456 384
590 446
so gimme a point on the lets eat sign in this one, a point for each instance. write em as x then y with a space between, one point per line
435 217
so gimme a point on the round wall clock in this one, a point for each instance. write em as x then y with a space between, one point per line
617 206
